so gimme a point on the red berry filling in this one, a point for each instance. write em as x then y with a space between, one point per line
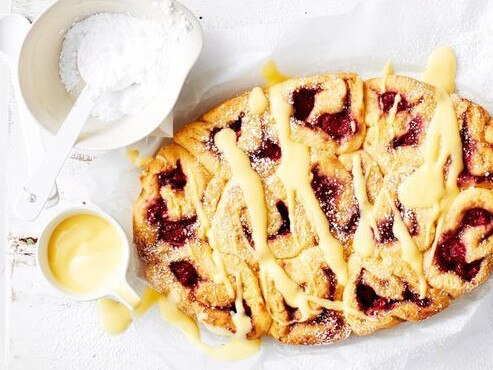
387 100
174 233
248 233
466 178
285 223
409 296
411 136
385 230
331 278
349 228
236 124
303 102
477 217
339 126
233 125
174 177
157 212
371 303
409 215
327 190
331 319
284 229
386 225
185 273
291 312
450 255
248 310
267 150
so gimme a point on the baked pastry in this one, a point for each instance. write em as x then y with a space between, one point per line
291 211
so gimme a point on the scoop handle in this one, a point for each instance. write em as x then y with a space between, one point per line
32 137
127 295
39 186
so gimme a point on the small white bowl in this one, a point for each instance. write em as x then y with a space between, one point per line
126 294
44 92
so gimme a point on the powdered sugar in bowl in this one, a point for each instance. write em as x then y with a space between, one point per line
139 111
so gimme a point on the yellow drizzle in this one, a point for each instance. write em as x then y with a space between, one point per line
253 193
135 158
388 70
236 349
271 73
149 298
241 320
393 112
294 172
427 186
363 242
440 70
195 190
115 317
221 276
257 102
409 252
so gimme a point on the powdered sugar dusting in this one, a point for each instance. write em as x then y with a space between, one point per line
108 47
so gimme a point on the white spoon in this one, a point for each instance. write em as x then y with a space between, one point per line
37 190
13 29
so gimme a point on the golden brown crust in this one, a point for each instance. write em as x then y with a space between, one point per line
190 216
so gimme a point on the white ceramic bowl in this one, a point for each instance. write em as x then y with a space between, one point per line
43 90
127 295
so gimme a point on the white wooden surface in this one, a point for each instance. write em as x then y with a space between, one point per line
44 329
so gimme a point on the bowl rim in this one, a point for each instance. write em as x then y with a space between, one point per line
84 145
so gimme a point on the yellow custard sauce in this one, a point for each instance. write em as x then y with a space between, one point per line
85 253
271 73
115 317
136 159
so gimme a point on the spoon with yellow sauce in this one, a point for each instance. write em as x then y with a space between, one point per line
84 253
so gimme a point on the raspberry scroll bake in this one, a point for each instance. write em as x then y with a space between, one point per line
321 206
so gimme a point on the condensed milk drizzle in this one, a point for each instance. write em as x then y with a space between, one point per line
388 70
251 185
363 241
236 348
271 73
257 102
298 183
429 186
442 144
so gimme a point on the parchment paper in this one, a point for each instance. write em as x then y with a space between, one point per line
361 41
